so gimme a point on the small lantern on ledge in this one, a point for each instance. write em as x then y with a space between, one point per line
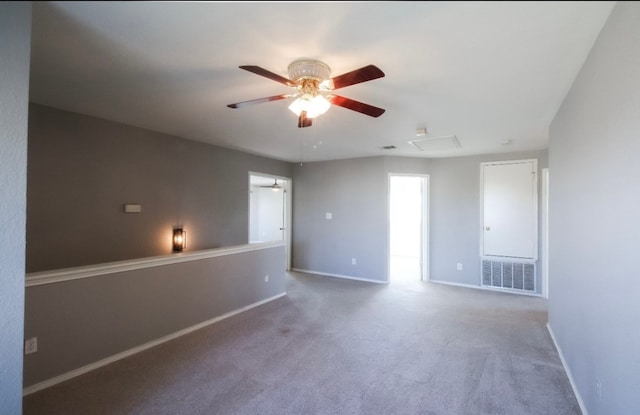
179 239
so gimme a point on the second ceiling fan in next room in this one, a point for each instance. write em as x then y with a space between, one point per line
275 186
313 83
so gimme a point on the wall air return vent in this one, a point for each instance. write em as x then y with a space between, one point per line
446 142
512 275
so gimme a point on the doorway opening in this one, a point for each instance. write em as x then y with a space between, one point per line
269 210
408 242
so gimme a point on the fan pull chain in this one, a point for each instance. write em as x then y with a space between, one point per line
301 146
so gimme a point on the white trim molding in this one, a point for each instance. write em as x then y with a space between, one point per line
425 261
346 277
486 288
568 371
68 274
111 359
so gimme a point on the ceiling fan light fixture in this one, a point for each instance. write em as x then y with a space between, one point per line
315 88
313 105
309 68
275 187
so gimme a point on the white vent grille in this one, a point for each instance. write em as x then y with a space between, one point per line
509 274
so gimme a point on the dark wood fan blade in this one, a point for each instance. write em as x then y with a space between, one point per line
354 105
366 73
268 74
258 101
303 121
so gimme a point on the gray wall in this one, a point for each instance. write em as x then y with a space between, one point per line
15 44
406 165
108 314
455 215
594 179
82 170
355 192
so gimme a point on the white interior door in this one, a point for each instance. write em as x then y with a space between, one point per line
510 219
270 214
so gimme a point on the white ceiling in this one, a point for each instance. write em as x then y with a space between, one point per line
484 72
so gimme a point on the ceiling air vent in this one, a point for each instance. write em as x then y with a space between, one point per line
436 143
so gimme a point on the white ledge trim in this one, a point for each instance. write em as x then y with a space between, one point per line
68 274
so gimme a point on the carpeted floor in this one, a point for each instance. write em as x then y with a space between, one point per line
334 346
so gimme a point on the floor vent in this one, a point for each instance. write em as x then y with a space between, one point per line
509 274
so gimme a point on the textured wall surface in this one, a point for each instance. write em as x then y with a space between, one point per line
455 215
354 192
15 32
594 222
109 314
82 170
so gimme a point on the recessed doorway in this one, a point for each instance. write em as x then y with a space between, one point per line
269 210
408 241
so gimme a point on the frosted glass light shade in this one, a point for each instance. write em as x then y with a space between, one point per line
314 106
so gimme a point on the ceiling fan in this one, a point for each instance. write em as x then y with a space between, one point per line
275 186
314 86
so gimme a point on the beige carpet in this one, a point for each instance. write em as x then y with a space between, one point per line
334 346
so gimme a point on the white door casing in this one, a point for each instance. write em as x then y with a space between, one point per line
545 233
423 224
270 213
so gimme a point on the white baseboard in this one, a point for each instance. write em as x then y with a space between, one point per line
347 277
95 365
457 284
568 371
480 287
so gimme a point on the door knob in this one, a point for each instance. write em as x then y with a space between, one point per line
488 228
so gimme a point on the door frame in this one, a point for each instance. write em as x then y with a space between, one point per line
424 251
288 190
545 232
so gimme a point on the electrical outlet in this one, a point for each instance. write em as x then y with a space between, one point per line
31 345
459 266
266 278
598 389
353 261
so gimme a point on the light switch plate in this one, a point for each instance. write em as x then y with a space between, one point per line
328 215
